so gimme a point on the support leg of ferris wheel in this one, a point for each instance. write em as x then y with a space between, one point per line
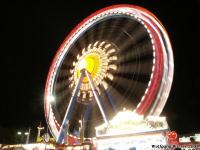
96 95
72 103
70 108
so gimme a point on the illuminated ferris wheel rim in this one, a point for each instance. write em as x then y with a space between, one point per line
161 77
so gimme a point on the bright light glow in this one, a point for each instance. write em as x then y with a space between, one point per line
156 118
184 139
197 137
82 64
95 60
126 116
127 121
38 146
19 133
187 139
51 98
26 133
91 63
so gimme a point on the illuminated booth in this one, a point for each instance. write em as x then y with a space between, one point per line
128 130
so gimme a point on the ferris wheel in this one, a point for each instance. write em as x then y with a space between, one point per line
118 57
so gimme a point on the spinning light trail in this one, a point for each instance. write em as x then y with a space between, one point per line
119 57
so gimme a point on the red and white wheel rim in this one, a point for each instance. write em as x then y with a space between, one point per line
155 95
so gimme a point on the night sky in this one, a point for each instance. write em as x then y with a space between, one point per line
31 33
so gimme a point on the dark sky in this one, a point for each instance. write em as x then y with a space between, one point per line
31 32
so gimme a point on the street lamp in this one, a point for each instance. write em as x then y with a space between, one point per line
27 134
51 98
19 137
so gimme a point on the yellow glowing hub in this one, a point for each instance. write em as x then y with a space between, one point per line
91 63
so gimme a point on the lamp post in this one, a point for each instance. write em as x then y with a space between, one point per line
27 135
19 137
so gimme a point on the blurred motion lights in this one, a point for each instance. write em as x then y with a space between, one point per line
118 57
